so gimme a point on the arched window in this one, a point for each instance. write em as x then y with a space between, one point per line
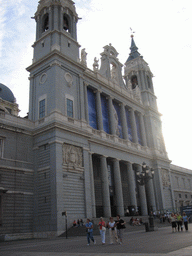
134 81
66 23
45 22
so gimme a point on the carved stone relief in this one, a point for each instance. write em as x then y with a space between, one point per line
72 156
165 178
69 79
43 78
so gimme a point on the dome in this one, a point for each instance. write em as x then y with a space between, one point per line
6 93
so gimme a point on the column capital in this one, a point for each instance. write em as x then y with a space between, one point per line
97 91
115 159
128 162
103 156
110 97
85 84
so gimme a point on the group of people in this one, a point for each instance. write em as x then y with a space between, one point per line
115 230
77 223
135 221
178 221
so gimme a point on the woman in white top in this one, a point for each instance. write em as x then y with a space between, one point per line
112 231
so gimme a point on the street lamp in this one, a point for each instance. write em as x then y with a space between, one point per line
143 178
146 174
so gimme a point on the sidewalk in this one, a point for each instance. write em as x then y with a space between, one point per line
138 243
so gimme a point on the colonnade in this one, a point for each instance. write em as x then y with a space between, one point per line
146 192
124 124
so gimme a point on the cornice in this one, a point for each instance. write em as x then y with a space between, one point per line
69 4
49 56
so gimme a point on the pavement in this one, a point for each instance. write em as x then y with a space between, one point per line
135 243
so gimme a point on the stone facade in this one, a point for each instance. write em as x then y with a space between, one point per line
85 138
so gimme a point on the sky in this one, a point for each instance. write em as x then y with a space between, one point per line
162 34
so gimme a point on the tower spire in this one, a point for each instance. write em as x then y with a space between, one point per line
134 50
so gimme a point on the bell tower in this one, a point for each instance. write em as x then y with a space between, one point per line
56 50
139 76
138 73
56 29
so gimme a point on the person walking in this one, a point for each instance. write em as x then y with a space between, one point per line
173 222
179 221
120 224
185 221
102 229
112 231
89 230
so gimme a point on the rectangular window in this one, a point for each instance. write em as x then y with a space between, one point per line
1 217
92 108
69 108
42 108
105 113
179 195
1 147
118 126
185 195
129 126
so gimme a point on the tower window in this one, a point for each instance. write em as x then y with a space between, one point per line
69 108
134 82
1 217
1 147
42 108
45 22
66 23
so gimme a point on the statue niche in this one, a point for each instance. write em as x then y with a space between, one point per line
72 156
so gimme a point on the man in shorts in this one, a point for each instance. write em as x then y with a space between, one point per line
120 225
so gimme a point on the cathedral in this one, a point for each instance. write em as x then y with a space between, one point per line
91 144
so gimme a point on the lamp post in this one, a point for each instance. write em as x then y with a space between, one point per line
143 178
146 175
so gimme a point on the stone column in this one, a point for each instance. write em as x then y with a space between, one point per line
99 110
86 103
61 19
134 127
150 195
105 187
124 122
139 80
143 133
92 186
142 196
38 28
143 79
111 116
50 18
118 188
56 17
82 98
132 185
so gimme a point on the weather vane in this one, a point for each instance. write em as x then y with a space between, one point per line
132 32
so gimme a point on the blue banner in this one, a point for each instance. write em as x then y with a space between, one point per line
92 108
118 126
129 127
138 129
105 113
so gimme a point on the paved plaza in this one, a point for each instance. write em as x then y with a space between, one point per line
161 242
